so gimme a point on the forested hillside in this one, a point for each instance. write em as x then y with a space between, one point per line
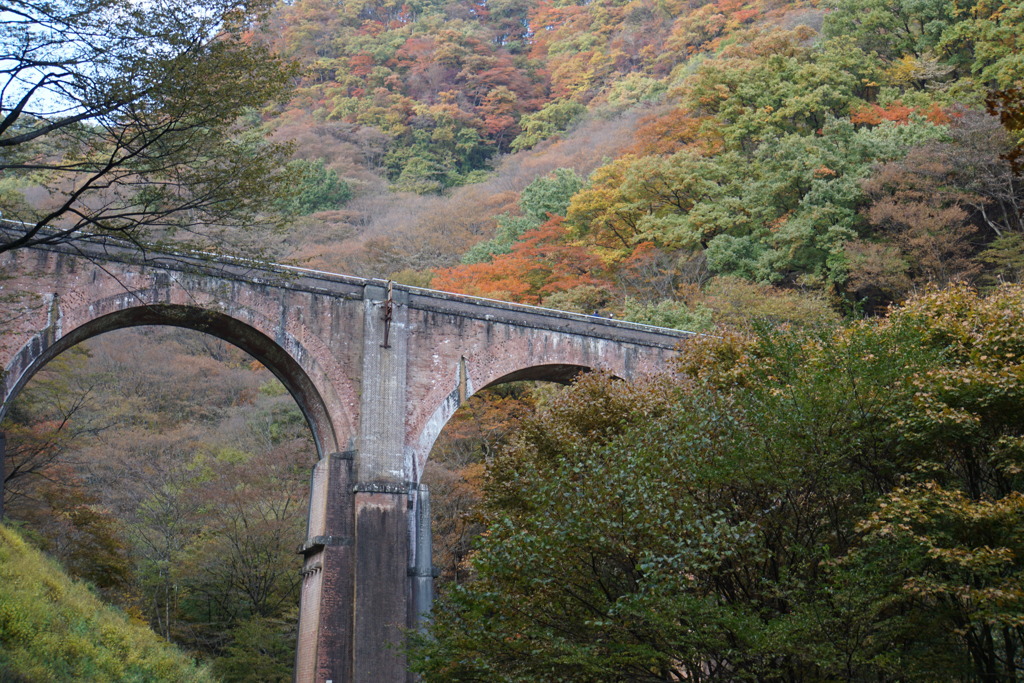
839 154
804 491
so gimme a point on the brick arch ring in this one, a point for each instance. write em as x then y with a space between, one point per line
286 358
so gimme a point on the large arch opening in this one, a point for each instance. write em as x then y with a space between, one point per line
171 469
269 352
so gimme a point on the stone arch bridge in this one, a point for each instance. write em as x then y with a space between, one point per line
376 368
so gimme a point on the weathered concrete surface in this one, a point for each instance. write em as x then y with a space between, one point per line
325 647
377 370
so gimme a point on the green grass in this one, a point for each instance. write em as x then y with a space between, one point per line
52 628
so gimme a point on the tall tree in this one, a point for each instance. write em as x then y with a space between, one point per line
120 118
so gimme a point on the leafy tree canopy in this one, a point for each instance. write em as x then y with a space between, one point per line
844 503
318 188
125 115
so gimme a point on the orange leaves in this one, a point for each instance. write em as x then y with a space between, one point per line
542 262
745 16
671 132
873 114
502 278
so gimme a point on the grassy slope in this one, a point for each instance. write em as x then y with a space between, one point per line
52 628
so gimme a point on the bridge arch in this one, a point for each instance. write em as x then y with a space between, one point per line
376 367
556 372
283 357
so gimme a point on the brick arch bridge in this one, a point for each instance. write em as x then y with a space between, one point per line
377 370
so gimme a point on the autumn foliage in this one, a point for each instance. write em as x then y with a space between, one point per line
785 494
541 263
838 502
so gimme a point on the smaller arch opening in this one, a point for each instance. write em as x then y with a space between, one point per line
558 373
455 470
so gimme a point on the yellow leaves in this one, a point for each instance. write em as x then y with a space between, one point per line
971 548
992 325
904 70
973 557
723 360
609 256
1008 594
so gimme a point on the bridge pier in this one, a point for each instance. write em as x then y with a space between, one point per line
366 576
360 547
381 584
324 651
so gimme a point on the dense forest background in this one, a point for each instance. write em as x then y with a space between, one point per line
658 159
753 168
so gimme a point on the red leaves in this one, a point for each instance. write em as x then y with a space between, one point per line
873 114
361 65
542 263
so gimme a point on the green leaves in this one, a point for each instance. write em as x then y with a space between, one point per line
785 210
124 120
846 503
891 28
556 117
544 197
317 189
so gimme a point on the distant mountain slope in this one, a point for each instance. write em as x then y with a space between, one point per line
407 99
852 151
